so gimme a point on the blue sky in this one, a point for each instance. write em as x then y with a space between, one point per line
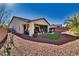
55 13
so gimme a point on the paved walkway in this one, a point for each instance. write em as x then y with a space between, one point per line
64 39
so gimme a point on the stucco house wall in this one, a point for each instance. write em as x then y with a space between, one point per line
17 25
40 22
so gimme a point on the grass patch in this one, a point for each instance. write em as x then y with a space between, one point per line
52 36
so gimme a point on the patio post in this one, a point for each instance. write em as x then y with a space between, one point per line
31 29
48 28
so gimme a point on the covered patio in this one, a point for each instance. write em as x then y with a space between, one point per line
38 26
30 29
40 29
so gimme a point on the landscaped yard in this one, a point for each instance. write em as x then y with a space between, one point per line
31 48
52 36
26 47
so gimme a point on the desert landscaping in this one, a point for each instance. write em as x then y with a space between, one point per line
24 47
43 49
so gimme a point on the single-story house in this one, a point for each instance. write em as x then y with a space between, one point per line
22 25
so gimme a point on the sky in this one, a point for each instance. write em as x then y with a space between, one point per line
54 13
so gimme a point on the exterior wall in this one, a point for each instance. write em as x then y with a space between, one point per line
40 22
17 25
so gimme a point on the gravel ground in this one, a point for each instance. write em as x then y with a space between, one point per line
3 33
31 48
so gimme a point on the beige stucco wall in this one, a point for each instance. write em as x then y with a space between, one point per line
18 25
40 22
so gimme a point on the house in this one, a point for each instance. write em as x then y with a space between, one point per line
57 28
27 26
55 25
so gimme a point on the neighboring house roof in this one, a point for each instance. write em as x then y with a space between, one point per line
56 25
27 20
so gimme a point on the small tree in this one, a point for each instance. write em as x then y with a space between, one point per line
4 14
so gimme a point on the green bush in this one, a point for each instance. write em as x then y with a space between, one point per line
35 35
76 31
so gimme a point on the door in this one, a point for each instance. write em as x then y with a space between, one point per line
26 29
36 29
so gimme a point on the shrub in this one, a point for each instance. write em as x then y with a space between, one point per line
76 31
35 35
